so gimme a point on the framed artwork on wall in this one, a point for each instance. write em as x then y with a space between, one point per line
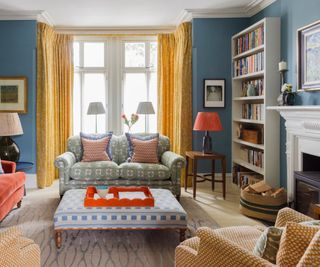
309 57
13 94
214 93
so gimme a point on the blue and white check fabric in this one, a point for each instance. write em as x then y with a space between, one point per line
167 213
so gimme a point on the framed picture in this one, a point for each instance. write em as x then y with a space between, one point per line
13 94
309 57
214 93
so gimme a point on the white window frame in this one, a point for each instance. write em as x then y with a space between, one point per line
114 70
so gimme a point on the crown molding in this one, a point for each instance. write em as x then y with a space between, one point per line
114 30
38 15
249 10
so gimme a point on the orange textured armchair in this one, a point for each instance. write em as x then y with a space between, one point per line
11 188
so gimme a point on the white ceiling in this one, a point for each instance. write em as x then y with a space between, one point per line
120 13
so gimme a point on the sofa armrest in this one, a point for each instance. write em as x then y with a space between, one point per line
289 215
8 166
219 251
65 161
171 159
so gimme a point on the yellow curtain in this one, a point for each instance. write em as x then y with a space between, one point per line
175 88
54 93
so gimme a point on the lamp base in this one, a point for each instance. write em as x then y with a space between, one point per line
207 144
9 150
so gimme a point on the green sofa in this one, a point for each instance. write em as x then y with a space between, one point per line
76 174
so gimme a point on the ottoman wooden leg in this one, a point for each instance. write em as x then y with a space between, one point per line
182 234
58 238
19 204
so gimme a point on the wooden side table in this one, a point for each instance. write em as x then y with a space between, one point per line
197 155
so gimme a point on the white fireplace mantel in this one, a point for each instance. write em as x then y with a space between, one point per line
303 136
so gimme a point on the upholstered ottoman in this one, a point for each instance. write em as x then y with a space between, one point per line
72 215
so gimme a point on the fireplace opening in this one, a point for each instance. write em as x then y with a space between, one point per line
307 185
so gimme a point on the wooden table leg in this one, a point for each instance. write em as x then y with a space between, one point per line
194 182
213 174
182 234
224 178
186 175
58 238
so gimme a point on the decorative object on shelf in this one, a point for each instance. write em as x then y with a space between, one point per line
10 125
96 108
309 57
239 131
282 69
207 121
251 136
131 122
287 97
145 108
251 90
214 93
13 94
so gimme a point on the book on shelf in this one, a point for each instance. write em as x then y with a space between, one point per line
258 85
249 40
252 156
253 111
250 64
242 177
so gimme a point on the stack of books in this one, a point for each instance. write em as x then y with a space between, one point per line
258 84
250 40
252 156
249 64
253 111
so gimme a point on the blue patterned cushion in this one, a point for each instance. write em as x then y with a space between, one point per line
1 170
97 137
139 137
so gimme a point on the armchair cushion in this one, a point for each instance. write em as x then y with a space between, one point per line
294 242
98 170
144 171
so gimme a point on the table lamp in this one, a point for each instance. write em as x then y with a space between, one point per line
145 108
10 126
207 121
96 108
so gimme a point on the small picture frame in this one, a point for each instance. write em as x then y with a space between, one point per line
214 93
13 94
309 57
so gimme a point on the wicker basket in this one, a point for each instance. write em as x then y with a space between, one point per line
262 207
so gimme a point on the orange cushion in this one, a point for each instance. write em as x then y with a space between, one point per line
294 241
145 151
9 183
95 150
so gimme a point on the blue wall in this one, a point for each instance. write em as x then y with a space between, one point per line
212 60
294 15
18 58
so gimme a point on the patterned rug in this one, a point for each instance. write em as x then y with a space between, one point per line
99 248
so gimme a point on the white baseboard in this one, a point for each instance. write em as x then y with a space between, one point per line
31 181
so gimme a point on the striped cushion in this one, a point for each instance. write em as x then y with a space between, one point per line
145 151
95 150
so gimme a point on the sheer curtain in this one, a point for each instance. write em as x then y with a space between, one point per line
174 87
54 99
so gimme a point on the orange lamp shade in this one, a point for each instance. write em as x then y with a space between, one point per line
207 121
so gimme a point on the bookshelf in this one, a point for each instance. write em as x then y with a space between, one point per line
255 58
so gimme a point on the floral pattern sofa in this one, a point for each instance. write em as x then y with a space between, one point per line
76 174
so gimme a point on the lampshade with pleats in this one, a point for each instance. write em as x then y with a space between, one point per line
10 124
96 108
145 108
207 121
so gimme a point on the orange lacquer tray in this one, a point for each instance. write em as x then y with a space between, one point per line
89 200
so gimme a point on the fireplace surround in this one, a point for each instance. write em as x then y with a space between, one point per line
303 137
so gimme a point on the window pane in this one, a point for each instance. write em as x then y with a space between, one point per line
76 104
153 96
135 54
76 54
135 91
94 91
153 55
94 54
